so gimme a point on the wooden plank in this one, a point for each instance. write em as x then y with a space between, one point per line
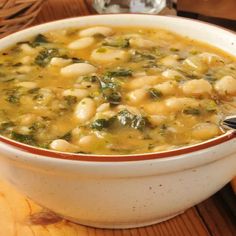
55 10
217 216
214 8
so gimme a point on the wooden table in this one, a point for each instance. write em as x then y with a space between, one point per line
19 216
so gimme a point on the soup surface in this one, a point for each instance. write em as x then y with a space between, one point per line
114 90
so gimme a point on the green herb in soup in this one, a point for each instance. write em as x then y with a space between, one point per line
114 90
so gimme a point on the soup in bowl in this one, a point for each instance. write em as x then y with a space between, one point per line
108 101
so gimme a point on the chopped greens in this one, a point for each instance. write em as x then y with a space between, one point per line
13 96
126 118
39 40
36 126
154 93
92 78
138 56
5 125
100 124
113 97
23 138
210 78
67 136
70 100
191 111
211 106
110 86
119 73
44 57
116 42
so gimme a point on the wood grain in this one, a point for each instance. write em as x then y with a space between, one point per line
214 8
20 216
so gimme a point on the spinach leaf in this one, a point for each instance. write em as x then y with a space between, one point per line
44 57
211 106
139 122
100 124
138 56
119 73
154 93
116 42
126 118
210 78
191 111
70 100
113 97
67 136
6 78
39 40
36 126
5 125
23 138
91 79
13 96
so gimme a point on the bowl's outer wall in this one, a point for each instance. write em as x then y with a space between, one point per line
119 202
123 194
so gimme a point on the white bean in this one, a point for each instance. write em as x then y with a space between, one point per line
156 108
81 43
26 59
139 73
24 130
172 74
143 81
177 104
226 85
102 30
137 96
197 87
105 114
28 85
87 142
167 88
24 69
109 55
62 145
58 61
78 69
79 93
27 49
157 119
170 61
103 107
141 43
204 131
131 109
46 96
85 110
210 58
196 64
27 119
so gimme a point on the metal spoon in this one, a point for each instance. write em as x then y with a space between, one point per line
229 122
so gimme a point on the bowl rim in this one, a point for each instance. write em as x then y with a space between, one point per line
229 135
119 158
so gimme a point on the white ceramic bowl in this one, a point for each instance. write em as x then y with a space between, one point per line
123 191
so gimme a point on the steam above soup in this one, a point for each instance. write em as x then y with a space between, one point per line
114 90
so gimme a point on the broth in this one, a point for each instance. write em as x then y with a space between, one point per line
114 90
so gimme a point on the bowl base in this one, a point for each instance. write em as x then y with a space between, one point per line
119 225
